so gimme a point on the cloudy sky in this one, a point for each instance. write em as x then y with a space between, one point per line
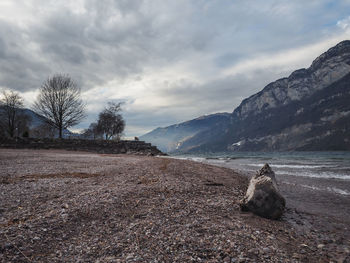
168 61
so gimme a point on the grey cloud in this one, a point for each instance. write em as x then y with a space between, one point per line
191 101
222 92
120 39
19 68
2 49
106 49
229 59
69 53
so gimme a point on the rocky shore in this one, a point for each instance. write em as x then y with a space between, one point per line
59 206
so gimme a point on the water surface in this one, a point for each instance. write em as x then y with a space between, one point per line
326 171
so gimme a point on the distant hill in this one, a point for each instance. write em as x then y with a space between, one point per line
309 110
37 120
174 137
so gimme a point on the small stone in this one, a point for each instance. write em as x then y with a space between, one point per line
320 246
252 251
295 255
266 250
8 246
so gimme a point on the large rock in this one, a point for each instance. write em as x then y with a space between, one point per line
262 197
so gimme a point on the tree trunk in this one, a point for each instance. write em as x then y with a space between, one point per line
60 133
11 128
11 133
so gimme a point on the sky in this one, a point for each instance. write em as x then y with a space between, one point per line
167 61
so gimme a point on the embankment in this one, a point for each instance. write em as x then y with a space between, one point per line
98 146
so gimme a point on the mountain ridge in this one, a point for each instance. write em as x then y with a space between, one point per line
321 77
256 123
176 134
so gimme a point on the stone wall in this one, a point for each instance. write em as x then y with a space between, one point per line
99 146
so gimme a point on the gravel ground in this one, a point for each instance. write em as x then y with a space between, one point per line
58 206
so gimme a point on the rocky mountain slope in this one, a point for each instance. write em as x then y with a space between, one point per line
171 138
309 110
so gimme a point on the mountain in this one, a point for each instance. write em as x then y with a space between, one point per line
36 122
173 137
309 110
35 119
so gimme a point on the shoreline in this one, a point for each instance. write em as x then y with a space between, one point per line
321 196
71 206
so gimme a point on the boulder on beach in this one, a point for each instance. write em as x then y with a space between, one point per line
262 197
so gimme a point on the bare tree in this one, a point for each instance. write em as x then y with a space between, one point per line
43 131
23 124
92 132
11 103
110 122
2 131
59 102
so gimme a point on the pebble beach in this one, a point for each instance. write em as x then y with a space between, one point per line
60 206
